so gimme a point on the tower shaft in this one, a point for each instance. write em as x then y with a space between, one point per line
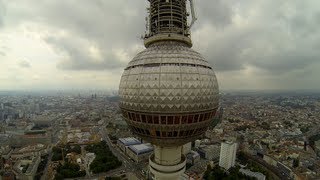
168 20
168 16
167 163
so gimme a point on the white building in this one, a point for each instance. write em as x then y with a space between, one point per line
197 143
228 154
186 148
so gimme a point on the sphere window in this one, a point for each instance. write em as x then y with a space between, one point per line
170 119
201 118
177 120
164 134
163 119
184 119
190 119
156 119
147 131
133 117
143 118
195 119
175 133
149 119
138 118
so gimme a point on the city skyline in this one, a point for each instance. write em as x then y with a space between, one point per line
51 45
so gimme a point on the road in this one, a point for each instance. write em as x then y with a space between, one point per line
127 164
45 171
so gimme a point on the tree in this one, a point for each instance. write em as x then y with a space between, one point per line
70 170
56 157
104 160
58 176
296 163
76 149
112 178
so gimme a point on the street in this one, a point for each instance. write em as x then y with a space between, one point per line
127 164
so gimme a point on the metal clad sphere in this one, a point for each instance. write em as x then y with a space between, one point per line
169 94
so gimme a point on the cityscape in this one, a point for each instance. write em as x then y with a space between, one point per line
159 90
277 132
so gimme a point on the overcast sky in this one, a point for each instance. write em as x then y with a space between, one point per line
85 44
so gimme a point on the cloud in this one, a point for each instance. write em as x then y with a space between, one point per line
278 43
24 64
245 41
80 54
216 12
2 13
74 27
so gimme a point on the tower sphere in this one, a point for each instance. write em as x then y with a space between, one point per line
169 93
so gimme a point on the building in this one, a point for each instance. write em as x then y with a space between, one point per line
124 142
169 93
186 148
31 137
197 143
284 170
8 175
5 151
27 168
228 154
139 152
210 152
257 175
268 159
193 157
31 150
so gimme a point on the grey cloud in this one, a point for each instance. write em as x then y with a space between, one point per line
2 12
225 53
216 12
2 53
120 22
121 26
107 24
24 64
78 57
284 63
277 44
278 37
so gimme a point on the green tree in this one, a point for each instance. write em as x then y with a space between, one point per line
296 163
77 149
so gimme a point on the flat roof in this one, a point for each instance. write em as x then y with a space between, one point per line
141 148
129 141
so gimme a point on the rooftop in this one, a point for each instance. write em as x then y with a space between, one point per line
129 141
141 148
